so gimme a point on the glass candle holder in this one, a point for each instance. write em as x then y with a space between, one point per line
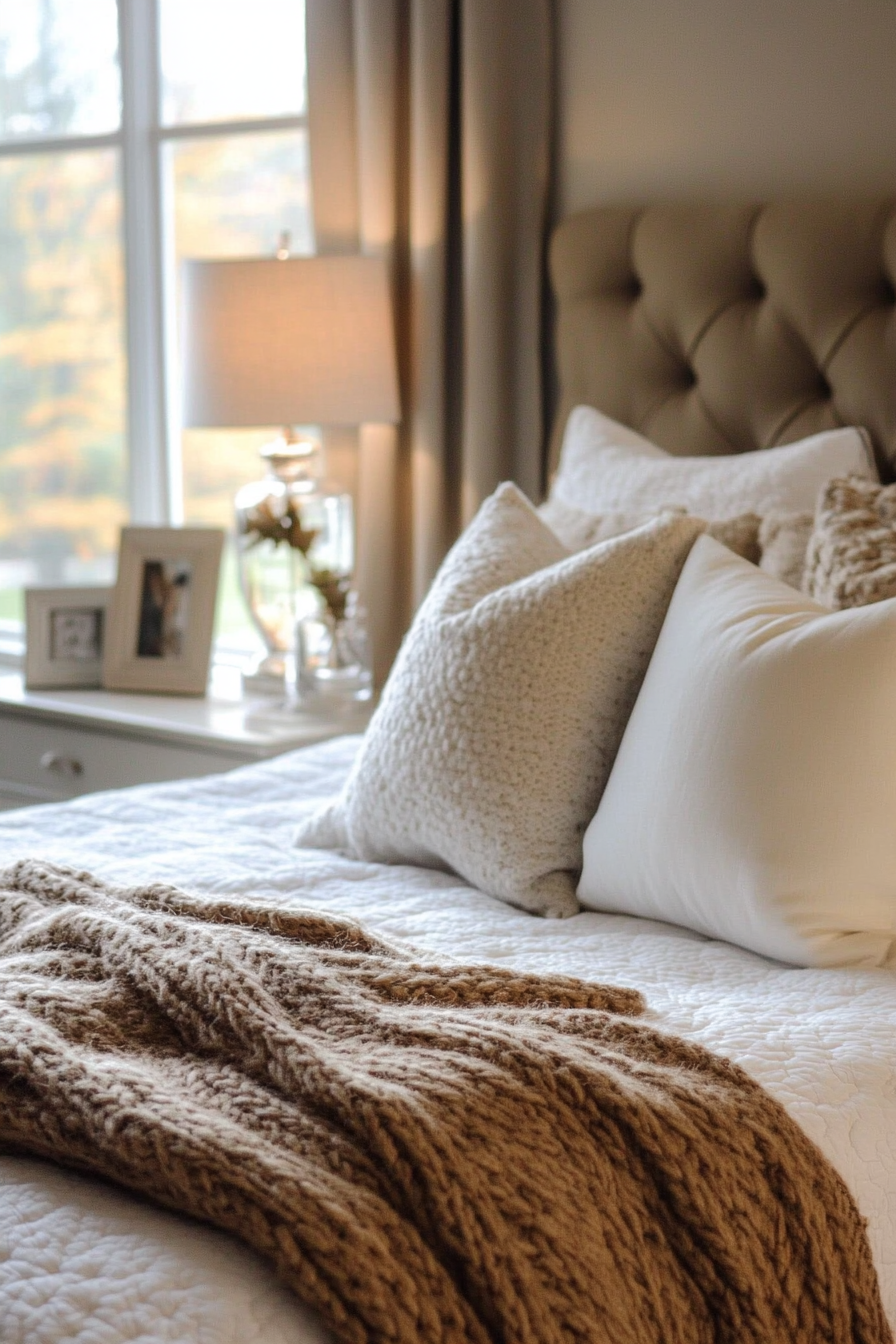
333 662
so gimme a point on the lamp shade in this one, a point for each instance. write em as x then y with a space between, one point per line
306 340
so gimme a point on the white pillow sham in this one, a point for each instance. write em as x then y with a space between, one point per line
497 729
608 468
752 795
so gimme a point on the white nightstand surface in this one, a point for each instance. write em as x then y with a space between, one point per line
223 718
56 744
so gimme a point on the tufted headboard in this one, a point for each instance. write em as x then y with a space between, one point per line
722 328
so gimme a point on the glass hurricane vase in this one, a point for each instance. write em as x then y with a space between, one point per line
293 531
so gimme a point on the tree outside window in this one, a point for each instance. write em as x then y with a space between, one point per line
224 167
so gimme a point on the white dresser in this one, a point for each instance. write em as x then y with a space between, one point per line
58 744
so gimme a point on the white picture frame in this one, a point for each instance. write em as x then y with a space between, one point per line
64 636
162 612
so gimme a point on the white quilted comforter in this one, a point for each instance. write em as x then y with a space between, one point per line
84 1263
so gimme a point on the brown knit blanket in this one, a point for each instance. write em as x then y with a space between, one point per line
424 1153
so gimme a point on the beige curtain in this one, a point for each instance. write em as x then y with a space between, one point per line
430 135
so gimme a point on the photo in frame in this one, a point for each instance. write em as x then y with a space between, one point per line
162 612
64 636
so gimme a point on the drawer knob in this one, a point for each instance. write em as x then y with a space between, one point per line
67 766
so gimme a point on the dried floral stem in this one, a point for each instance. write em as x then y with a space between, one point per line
334 589
262 524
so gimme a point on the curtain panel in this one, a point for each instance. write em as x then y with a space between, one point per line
430 126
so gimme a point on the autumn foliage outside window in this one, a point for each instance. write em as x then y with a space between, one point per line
230 186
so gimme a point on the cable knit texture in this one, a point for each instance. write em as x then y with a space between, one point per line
427 1155
851 558
497 729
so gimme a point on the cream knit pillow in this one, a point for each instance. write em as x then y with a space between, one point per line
497 730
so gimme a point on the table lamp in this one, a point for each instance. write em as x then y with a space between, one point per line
287 341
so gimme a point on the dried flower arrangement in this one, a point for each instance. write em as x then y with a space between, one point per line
261 523
334 589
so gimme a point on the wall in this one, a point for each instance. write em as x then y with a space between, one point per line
724 97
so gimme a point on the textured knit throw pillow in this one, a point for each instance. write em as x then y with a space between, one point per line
752 795
851 559
497 729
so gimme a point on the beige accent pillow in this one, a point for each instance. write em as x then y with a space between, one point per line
740 535
578 529
851 558
776 543
783 542
497 729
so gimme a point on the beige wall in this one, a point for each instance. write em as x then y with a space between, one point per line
724 97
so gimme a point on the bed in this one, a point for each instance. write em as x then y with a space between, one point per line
764 324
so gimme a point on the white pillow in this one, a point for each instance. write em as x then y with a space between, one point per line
607 468
497 729
752 798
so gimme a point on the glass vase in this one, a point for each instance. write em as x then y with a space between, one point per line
332 659
294 531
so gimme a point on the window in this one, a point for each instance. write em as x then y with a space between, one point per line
131 135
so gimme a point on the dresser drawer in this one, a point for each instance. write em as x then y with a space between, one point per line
58 761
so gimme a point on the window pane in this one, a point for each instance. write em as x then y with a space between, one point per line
62 454
232 197
227 59
58 68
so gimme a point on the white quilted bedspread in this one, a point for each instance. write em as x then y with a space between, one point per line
84 1263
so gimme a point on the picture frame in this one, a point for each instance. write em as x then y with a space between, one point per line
64 636
162 612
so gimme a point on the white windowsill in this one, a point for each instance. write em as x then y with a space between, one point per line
225 654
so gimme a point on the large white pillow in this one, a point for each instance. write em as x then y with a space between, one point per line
498 726
754 793
607 468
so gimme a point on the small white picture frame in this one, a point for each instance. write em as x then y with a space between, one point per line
162 612
64 636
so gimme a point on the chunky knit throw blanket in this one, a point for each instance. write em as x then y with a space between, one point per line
425 1153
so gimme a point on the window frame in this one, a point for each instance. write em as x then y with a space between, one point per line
153 423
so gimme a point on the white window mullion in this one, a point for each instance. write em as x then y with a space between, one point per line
154 481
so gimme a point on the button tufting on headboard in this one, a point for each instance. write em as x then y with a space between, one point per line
724 328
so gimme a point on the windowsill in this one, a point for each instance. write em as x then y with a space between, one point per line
12 644
225 654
